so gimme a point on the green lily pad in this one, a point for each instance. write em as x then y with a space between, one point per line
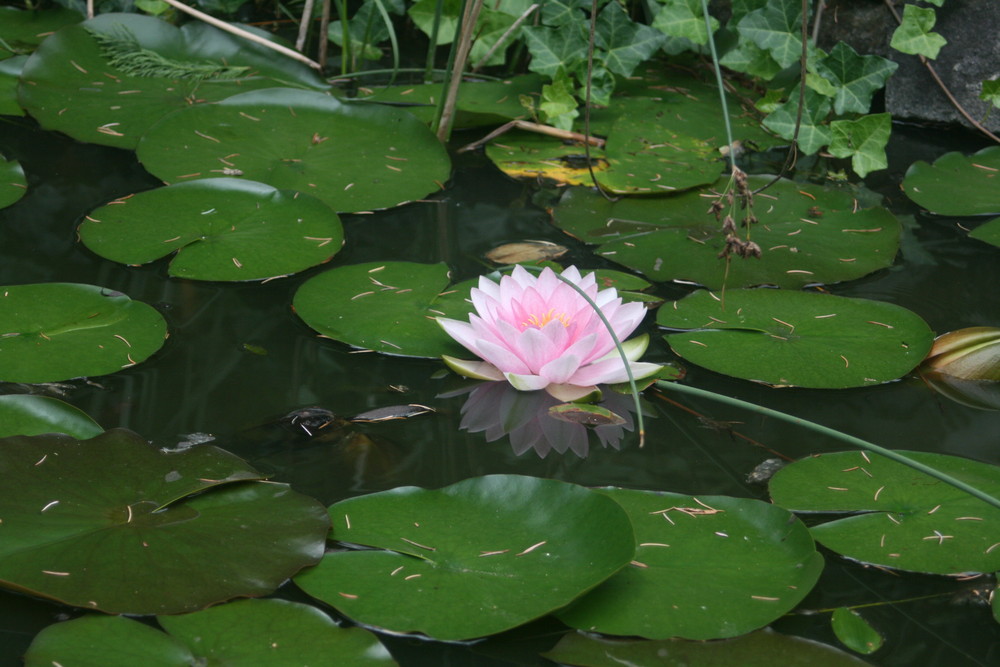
71 85
764 648
855 632
58 331
220 228
277 633
13 185
385 306
26 414
898 517
529 155
472 559
988 232
115 524
807 235
802 339
10 71
761 560
21 31
352 156
956 184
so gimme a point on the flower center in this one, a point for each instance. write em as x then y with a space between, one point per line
540 321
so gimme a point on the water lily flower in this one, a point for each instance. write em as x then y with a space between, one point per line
537 332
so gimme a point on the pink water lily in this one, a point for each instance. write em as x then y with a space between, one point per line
539 333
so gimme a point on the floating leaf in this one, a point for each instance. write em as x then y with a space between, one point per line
10 70
277 633
385 306
761 561
21 31
529 155
353 156
855 632
220 228
899 517
807 234
71 85
803 339
12 182
26 414
956 184
914 34
57 331
764 648
125 542
472 559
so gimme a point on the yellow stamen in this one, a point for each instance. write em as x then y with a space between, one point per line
539 322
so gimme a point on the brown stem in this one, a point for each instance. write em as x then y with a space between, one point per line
535 127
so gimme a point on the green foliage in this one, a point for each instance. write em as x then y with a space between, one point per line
855 78
991 92
914 35
26 414
775 28
863 140
855 632
13 185
684 19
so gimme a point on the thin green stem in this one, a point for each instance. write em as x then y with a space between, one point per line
719 83
825 430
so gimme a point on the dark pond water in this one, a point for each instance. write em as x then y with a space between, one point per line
238 360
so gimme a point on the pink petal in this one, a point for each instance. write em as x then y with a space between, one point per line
505 360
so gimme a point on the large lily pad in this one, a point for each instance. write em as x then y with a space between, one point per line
352 155
898 517
759 649
57 331
277 633
10 71
115 524
13 185
221 229
760 559
471 559
807 234
803 339
70 83
26 414
956 184
385 306
21 31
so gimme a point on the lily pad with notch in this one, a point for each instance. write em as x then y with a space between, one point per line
58 331
13 185
275 632
897 517
761 560
957 185
117 525
353 156
109 79
385 306
791 338
807 234
472 559
220 229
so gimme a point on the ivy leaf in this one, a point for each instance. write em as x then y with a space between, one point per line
863 140
914 34
750 59
813 134
775 28
627 43
558 103
991 92
683 18
551 48
558 13
855 77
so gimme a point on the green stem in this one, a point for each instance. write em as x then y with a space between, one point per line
843 437
719 83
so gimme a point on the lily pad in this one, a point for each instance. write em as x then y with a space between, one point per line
25 414
13 185
956 184
803 339
277 633
351 155
529 155
385 306
807 234
21 31
70 83
764 648
472 559
898 517
221 229
855 632
761 560
58 331
10 70
115 524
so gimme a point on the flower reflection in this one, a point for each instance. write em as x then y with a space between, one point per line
496 409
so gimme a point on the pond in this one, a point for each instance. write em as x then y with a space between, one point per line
242 370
